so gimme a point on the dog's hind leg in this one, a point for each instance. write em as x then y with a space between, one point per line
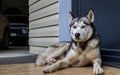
51 53
60 51
41 58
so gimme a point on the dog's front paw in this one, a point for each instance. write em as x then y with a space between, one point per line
51 68
48 69
98 71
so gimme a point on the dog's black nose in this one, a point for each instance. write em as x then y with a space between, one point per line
77 35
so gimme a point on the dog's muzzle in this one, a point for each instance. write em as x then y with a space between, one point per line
77 35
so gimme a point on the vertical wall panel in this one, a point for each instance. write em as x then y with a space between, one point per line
64 8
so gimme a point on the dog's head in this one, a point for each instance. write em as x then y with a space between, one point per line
81 29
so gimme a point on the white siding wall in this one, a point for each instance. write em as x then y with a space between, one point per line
43 27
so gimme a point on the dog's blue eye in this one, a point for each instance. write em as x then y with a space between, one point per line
83 26
74 26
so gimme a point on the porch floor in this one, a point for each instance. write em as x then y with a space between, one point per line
30 69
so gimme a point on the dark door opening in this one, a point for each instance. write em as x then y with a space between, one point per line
16 11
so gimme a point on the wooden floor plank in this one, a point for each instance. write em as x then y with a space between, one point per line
31 69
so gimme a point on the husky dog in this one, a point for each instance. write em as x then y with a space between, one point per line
81 51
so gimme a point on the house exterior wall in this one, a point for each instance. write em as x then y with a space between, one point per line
43 24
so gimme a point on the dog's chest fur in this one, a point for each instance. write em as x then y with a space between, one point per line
80 48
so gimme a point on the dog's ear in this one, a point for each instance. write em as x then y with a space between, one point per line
90 15
70 17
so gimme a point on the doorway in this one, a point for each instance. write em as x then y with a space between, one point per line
16 12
